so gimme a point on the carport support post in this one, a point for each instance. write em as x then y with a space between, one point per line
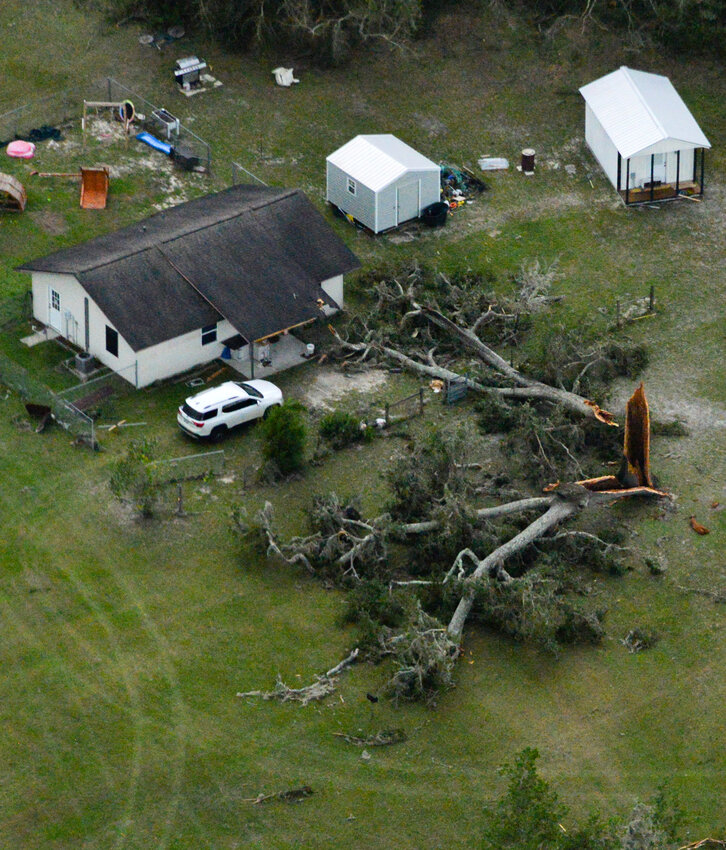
703 161
678 172
652 171
252 360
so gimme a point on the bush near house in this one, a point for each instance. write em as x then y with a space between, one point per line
284 435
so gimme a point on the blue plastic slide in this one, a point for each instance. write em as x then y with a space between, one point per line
155 143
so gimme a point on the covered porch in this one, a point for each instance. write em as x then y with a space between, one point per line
660 183
265 357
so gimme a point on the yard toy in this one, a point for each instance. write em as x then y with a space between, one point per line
21 149
155 143
12 193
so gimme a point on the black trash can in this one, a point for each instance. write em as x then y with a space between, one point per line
435 214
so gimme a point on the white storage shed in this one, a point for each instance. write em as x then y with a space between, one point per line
644 136
381 182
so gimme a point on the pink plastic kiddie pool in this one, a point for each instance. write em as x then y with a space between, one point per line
21 149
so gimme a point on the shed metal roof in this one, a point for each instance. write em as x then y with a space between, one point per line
376 161
638 110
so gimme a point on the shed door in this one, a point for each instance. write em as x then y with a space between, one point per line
407 198
659 167
54 309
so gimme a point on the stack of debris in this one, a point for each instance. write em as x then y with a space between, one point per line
459 185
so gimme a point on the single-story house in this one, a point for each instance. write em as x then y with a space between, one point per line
219 274
644 137
381 182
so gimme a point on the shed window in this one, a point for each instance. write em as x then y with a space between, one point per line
209 334
55 299
351 186
111 341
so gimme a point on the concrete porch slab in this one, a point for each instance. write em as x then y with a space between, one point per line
42 335
287 352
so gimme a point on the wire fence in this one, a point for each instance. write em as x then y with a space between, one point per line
189 466
405 408
64 108
237 175
31 389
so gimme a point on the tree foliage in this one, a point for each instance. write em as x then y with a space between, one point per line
329 29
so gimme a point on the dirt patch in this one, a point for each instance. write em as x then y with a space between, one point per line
330 385
50 221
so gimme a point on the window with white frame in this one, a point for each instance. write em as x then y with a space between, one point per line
209 334
352 186
55 299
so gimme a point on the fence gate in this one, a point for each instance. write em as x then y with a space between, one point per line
456 389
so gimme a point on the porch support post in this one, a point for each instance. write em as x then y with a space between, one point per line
620 162
703 160
652 171
627 181
678 172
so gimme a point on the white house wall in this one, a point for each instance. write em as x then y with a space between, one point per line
137 367
362 205
180 354
333 287
602 147
72 296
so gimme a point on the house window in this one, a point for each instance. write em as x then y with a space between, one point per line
55 299
351 186
209 334
111 341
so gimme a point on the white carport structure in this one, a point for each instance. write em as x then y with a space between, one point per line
644 136
381 181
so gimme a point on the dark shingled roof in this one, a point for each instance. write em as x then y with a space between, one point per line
250 254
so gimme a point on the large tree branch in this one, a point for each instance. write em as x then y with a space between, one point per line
526 387
568 500
517 507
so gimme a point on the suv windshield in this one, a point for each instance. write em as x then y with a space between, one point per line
251 391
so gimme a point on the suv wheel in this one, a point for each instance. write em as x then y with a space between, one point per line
217 433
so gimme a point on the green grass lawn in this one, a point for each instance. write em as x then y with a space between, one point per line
125 642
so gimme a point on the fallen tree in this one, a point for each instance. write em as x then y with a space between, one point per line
357 554
383 333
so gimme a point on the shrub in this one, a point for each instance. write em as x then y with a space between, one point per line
340 429
133 479
284 434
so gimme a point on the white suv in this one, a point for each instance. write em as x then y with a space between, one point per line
213 412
